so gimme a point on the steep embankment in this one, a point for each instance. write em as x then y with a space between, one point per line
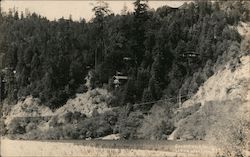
32 111
225 93
87 102
224 99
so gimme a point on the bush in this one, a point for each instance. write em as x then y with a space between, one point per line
2 127
53 134
31 126
111 117
82 89
17 126
128 123
231 133
187 111
218 116
69 117
158 124
94 93
94 127
117 96
53 122
69 132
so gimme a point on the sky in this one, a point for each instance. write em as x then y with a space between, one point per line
55 9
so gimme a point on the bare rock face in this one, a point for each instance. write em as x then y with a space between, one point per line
30 107
224 85
225 94
86 103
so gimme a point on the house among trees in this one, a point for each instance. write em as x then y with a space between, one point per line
190 54
119 79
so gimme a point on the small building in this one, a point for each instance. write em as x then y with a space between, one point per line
190 54
118 80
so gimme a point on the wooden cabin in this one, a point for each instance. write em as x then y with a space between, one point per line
119 79
190 55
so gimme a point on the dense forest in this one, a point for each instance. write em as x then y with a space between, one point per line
52 58
163 53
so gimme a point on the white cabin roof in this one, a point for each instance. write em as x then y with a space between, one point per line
121 77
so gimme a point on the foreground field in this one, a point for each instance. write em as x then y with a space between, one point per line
105 148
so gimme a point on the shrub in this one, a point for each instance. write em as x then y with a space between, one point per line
231 133
214 117
53 134
103 129
2 127
53 122
111 117
69 132
128 123
68 117
187 111
31 126
82 89
115 99
93 127
94 93
78 116
158 124
17 126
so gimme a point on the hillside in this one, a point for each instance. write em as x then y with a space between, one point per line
219 112
179 74
30 114
226 91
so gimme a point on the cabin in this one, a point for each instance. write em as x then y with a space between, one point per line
127 58
119 79
190 55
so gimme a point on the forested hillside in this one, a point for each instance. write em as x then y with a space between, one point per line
166 53
52 58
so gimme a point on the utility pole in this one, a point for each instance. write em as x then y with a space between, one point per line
179 98
1 89
188 71
95 59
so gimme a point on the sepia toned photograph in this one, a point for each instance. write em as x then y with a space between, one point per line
124 78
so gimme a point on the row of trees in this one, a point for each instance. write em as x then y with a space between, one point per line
52 58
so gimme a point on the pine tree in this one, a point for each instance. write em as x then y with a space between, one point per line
140 17
129 94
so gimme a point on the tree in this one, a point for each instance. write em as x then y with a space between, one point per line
158 69
140 16
154 88
101 11
124 10
141 82
129 94
147 95
52 58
